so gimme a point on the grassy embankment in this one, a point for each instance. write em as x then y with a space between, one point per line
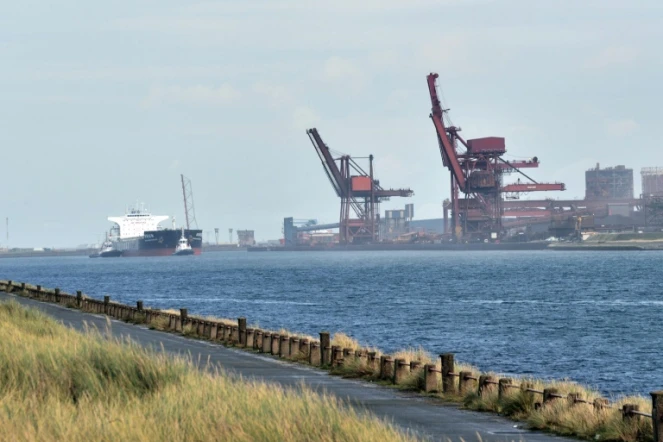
561 416
57 384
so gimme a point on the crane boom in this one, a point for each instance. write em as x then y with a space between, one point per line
328 162
447 149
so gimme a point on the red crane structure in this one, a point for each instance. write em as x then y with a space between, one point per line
477 173
359 191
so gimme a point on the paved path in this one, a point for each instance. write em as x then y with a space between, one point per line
427 417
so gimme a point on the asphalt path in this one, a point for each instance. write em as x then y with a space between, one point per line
426 417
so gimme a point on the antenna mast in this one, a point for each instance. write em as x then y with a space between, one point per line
189 209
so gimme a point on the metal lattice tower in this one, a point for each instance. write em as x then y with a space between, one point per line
189 208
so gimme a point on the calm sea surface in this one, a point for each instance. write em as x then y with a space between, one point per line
588 316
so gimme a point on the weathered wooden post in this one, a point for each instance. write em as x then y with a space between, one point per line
401 370
79 298
139 306
370 361
275 344
550 394
572 398
294 347
527 395
467 382
337 355
386 367
431 376
56 292
315 357
348 354
241 324
184 316
284 347
23 288
106 303
415 365
257 342
600 404
234 335
504 385
9 286
628 413
325 348
657 414
486 385
267 342
228 334
304 347
250 337
448 384
38 289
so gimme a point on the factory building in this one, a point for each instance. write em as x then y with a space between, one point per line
609 184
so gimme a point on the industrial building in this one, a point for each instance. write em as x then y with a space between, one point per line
246 238
609 183
652 181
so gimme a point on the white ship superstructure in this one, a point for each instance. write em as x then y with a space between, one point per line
135 223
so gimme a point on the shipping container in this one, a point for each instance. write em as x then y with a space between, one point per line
486 145
361 183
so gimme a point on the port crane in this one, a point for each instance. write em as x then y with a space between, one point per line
359 191
477 173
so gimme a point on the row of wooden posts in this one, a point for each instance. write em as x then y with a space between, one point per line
322 353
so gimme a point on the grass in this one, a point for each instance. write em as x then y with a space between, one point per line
559 416
57 384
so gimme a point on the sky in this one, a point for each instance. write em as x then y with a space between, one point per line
105 104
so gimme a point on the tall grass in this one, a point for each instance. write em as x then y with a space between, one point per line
57 384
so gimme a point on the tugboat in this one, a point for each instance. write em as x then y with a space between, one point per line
108 251
183 247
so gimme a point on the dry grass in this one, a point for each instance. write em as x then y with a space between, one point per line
344 341
56 384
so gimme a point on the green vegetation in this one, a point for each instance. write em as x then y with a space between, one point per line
57 384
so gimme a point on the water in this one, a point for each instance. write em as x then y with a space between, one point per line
587 316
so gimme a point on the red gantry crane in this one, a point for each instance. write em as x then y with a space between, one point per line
477 174
359 191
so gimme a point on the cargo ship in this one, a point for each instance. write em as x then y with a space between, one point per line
139 233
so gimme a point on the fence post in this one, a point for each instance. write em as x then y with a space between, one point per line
448 384
325 348
336 355
257 342
314 354
284 347
266 342
106 303
657 414
627 414
401 370
549 395
430 378
250 337
572 398
370 361
79 298
600 404
466 382
275 344
294 347
139 306
57 294
503 390
241 325
486 385
304 347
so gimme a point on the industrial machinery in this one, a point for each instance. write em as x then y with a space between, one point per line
359 191
477 173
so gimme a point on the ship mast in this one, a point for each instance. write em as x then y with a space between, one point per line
189 209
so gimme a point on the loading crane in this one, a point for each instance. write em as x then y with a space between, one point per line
359 191
478 173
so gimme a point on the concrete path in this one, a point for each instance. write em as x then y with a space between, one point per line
427 417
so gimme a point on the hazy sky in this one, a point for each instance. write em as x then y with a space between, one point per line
106 103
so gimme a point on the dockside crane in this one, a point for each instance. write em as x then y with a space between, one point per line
477 173
359 191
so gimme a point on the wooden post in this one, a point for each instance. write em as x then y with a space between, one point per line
504 388
466 382
284 347
336 355
275 344
38 289
304 347
431 377
184 315
325 348
486 385
79 298
600 404
628 415
234 335
250 337
139 306
267 342
106 304
401 370
57 294
448 384
370 361
573 398
241 325
386 367
257 342
415 365
549 395
314 354
657 414
294 347
348 354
